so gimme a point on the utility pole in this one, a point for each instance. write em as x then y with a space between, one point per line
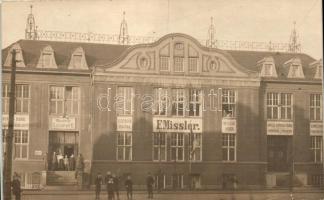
9 136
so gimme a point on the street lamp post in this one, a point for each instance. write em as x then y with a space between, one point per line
9 136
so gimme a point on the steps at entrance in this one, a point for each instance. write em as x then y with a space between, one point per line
61 178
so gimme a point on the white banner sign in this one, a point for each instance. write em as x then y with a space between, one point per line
124 123
228 125
280 128
21 122
168 124
60 123
316 128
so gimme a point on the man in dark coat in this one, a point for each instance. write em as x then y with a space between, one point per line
129 188
110 186
98 183
149 184
16 190
116 183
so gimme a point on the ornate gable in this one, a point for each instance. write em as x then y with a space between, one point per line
19 56
47 58
177 54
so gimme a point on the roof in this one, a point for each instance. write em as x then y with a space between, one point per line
102 54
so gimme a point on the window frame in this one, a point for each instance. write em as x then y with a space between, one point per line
276 104
178 64
164 61
159 146
67 109
191 154
122 110
229 94
177 146
228 147
22 99
19 145
317 147
160 101
176 102
196 100
124 146
313 106
193 63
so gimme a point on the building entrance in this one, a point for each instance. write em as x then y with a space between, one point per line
278 153
63 149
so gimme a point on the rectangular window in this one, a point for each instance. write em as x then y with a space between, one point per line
294 70
228 103
160 181
64 100
178 102
160 101
195 102
177 181
21 144
159 146
124 103
177 146
178 64
164 63
195 146
279 106
315 107
22 96
229 147
47 59
267 69
77 59
193 64
317 148
124 146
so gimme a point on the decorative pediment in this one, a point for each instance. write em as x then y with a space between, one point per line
78 60
295 68
47 59
318 67
267 67
19 56
177 54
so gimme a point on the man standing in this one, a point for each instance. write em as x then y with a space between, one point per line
116 183
98 183
110 186
149 184
129 187
16 190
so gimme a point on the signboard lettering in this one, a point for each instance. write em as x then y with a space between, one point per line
21 122
228 125
60 123
280 128
124 123
164 124
316 128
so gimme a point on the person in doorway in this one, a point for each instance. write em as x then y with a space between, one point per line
149 184
54 161
16 189
60 161
116 183
72 162
129 187
98 183
110 186
66 163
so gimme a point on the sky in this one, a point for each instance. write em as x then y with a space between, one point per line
244 20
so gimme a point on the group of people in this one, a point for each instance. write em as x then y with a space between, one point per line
112 185
62 162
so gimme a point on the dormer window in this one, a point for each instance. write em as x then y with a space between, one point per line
47 59
19 56
295 69
78 60
318 68
267 67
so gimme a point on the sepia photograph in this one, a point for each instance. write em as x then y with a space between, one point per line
162 99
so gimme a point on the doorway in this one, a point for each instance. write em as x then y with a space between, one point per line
278 153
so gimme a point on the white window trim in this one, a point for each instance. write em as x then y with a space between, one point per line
315 108
315 147
176 101
195 103
159 146
178 64
48 50
21 145
192 155
228 147
124 111
192 63
162 61
177 147
279 106
64 100
6 90
160 98
228 102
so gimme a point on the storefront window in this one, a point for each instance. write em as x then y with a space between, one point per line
159 146
228 103
279 106
315 107
124 146
177 146
160 101
124 100
317 148
178 102
229 147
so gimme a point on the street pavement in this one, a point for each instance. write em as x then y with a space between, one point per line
183 196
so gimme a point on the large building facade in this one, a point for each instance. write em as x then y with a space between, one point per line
195 117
